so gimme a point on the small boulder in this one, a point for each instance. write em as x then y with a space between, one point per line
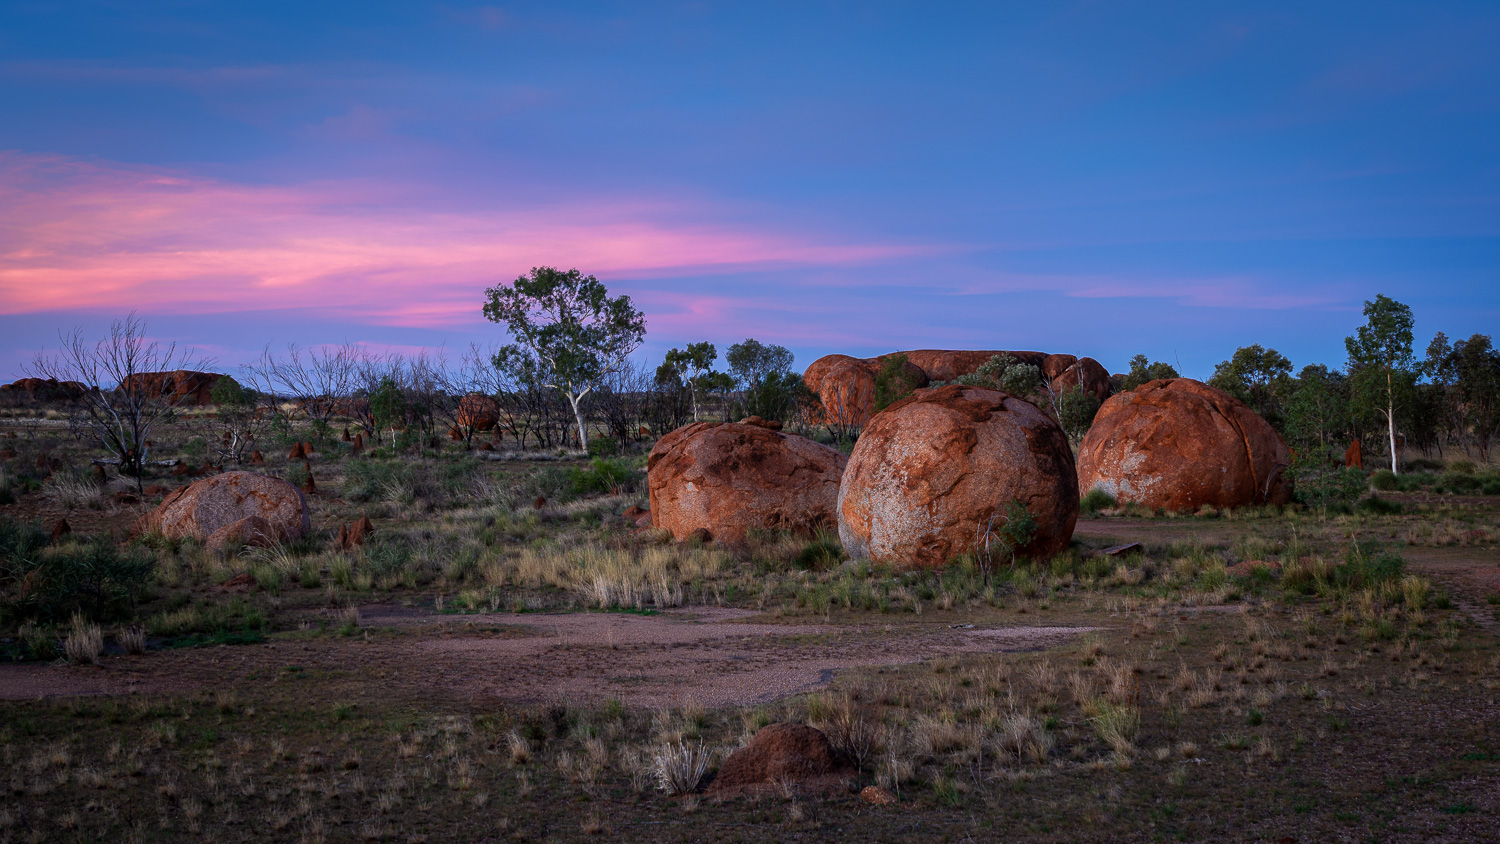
181 470
933 470
730 477
157 489
874 795
1178 444
123 497
242 582
779 753
201 508
486 446
61 528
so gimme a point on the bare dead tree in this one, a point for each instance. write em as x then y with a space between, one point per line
318 379
122 402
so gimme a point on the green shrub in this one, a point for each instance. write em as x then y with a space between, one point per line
1462 482
90 576
1461 467
893 382
1384 480
1095 500
601 476
824 552
1377 506
603 446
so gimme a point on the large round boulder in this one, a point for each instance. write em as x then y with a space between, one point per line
233 507
1087 373
729 477
931 471
845 388
478 412
1178 444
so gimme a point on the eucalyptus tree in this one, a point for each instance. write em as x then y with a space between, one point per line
566 331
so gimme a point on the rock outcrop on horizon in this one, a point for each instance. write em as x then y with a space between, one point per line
182 386
1178 444
43 389
845 385
931 469
729 477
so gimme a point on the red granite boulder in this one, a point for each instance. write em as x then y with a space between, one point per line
931 469
202 508
1178 444
727 477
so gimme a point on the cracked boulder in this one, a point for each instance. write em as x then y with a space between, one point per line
239 507
1178 444
932 471
729 477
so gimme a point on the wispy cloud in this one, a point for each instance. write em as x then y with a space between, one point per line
102 235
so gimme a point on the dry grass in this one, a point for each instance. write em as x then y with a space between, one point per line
84 643
679 768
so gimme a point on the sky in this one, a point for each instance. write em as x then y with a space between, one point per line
1095 178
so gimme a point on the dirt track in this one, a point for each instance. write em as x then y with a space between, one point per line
711 657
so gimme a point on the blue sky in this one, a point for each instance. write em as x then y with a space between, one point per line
1093 178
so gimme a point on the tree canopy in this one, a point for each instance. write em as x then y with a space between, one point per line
568 332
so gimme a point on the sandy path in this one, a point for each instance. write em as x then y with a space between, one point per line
711 657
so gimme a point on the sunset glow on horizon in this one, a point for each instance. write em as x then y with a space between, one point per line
1100 181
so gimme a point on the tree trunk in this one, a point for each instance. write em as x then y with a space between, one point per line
583 442
1390 424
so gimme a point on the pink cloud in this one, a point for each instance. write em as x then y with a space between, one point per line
77 234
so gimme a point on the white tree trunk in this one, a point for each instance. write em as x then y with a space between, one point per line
1390 424
1390 418
583 441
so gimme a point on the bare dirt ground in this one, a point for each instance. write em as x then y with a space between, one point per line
709 657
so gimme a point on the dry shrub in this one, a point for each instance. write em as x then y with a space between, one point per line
85 642
852 730
679 768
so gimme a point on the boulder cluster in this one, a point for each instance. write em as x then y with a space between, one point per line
937 474
845 385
